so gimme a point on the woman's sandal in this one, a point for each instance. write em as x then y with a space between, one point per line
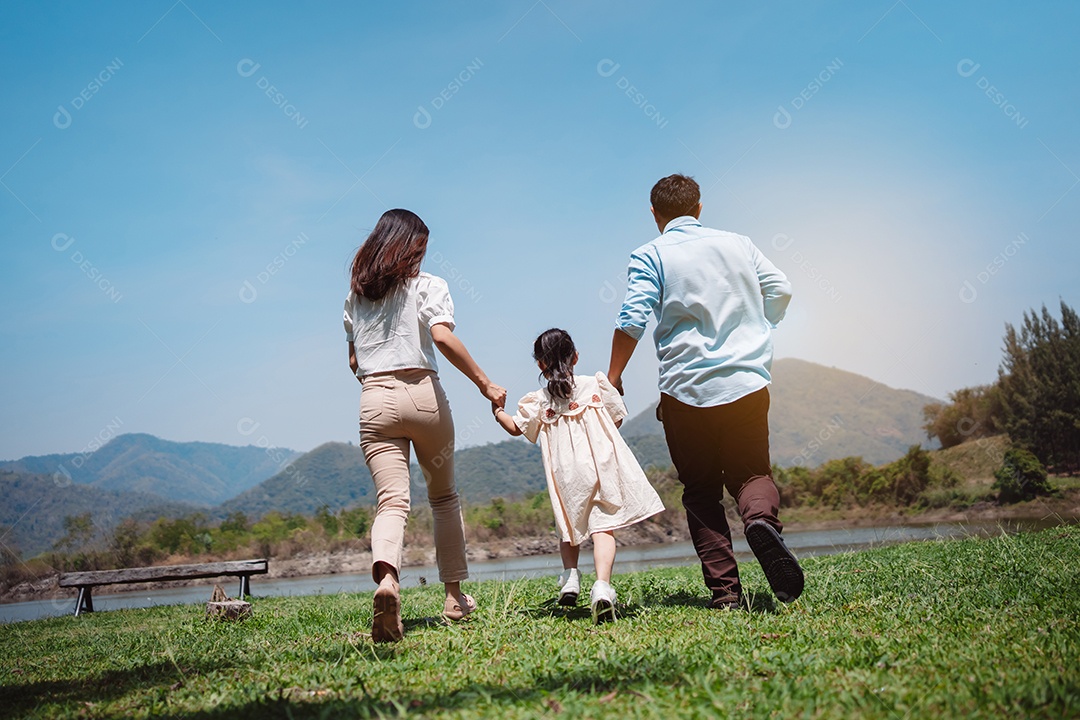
452 611
386 623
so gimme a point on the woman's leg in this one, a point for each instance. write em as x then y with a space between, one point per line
603 554
387 458
386 452
432 431
388 461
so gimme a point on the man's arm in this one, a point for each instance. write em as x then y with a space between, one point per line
622 348
643 292
775 287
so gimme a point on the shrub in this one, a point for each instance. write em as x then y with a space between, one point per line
1020 477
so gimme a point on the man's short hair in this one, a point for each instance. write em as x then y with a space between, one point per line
675 196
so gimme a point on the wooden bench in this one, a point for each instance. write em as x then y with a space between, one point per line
87 581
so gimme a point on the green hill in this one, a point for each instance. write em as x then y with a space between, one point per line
333 474
195 472
820 413
35 506
507 469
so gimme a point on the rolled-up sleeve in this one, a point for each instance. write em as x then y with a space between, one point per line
435 304
348 318
775 287
643 292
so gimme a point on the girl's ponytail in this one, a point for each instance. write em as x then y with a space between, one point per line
555 350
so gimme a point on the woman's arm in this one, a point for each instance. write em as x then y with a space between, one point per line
353 364
455 351
504 419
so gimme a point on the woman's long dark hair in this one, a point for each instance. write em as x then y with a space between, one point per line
391 254
555 349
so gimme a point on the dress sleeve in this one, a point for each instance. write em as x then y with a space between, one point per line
613 402
435 304
528 417
348 318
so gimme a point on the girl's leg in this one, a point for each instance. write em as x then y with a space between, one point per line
603 554
569 555
571 579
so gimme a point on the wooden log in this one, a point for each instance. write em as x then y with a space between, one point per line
228 609
219 594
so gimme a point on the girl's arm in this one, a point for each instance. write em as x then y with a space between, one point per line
454 350
504 419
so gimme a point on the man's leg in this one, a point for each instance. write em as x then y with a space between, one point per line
748 477
744 455
693 444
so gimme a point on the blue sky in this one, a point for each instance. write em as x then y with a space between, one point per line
184 185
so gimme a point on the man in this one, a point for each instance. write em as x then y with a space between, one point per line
716 298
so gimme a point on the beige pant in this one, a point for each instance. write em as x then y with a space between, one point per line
395 409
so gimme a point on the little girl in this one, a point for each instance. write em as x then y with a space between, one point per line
594 481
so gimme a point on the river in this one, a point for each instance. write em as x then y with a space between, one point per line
806 543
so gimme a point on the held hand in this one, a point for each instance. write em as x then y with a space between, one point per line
616 382
496 394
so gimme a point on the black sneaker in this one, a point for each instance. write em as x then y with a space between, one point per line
781 568
727 602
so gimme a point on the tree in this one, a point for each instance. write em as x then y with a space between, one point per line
328 520
1020 477
970 414
9 552
124 542
1039 380
78 529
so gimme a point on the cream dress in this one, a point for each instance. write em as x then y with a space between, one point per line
593 478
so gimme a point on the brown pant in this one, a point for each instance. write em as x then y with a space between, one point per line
396 409
725 446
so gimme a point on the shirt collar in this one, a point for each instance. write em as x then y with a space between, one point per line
681 221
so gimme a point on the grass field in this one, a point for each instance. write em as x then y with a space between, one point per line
950 629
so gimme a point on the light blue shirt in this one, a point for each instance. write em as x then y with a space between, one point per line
716 299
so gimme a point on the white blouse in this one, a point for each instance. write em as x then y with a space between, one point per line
395 333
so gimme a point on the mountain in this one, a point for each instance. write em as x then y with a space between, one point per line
194 472
510 468
35 506
818 413
333 474
843 413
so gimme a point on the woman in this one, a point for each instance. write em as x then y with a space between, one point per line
395 317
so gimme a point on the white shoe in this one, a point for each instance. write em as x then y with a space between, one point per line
571 588
602 602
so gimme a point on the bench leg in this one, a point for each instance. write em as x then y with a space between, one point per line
85 603
245 586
